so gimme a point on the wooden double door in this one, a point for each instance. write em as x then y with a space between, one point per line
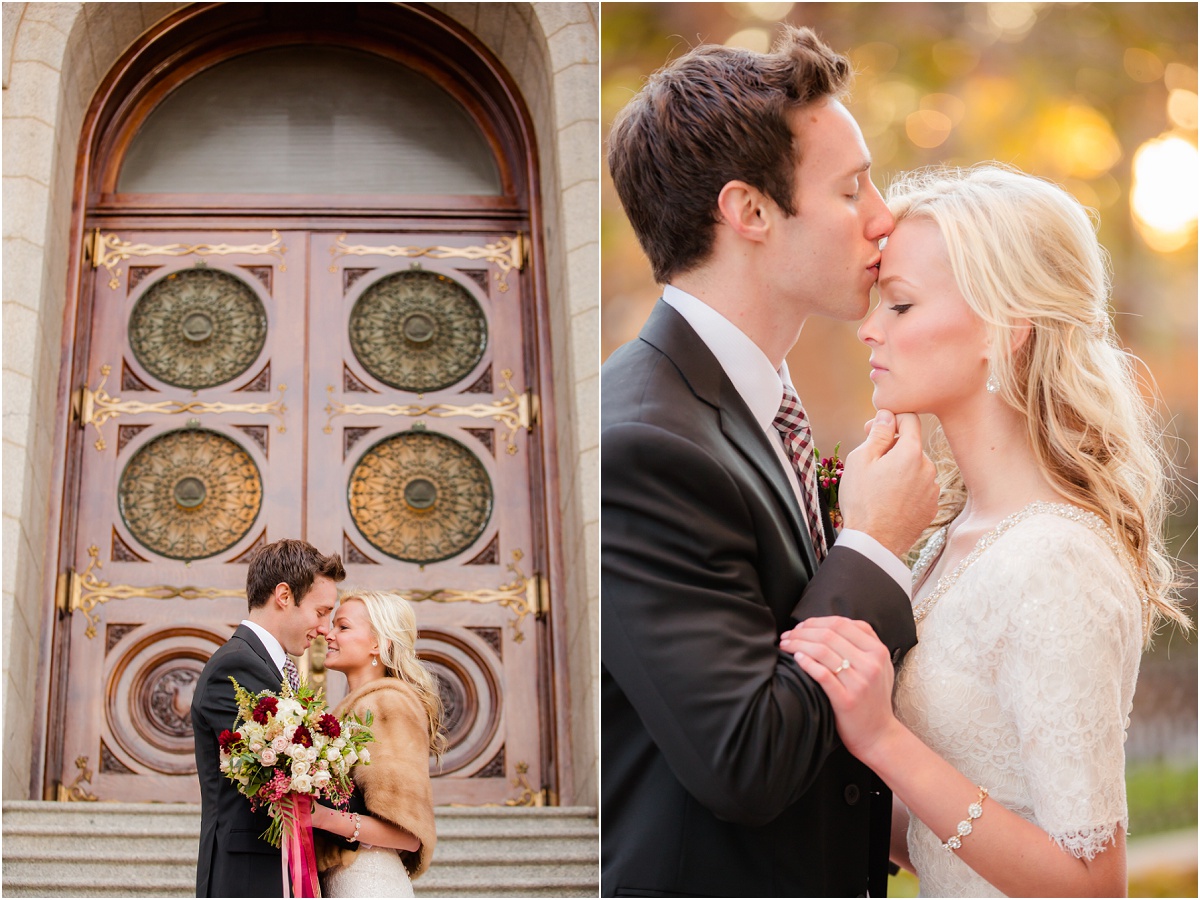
367 392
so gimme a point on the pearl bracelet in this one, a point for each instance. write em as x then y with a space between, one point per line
357 824
974 811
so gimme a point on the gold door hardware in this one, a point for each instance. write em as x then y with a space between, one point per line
507 253
109 250
523 595
527 796
75 591
77 792
95 407
514 411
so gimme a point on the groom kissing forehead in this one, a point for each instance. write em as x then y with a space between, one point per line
748 185
291 589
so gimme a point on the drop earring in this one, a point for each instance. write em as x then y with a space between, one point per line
993 386
374 661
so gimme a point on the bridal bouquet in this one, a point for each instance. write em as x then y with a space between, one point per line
284 752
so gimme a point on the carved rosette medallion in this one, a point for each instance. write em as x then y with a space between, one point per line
149 691
420 497
468 681
198 328
190 494
418 331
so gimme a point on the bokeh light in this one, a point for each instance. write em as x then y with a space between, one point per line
1164 196
756 39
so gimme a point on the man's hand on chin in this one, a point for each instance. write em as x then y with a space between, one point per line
888 489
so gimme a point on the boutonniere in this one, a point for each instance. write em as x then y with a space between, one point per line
829 476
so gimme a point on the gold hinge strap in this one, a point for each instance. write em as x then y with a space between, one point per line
68 591
528 410
537 595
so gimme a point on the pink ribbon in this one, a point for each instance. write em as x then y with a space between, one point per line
299 857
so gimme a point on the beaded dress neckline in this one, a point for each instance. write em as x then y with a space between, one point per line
934 546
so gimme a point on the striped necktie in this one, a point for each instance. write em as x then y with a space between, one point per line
792 422
292 673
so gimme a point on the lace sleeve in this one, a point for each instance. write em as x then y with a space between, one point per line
1068 659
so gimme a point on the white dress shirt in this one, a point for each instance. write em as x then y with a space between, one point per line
761 387
274 648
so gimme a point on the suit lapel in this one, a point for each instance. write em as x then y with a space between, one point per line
256 644
746 435
670 333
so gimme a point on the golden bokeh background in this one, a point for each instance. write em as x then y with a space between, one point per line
1099 97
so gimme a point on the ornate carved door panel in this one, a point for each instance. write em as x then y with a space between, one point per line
419 471
366 392
192 456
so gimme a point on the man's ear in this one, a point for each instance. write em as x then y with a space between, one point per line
742 208
282 595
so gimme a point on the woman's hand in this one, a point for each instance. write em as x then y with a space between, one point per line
854 669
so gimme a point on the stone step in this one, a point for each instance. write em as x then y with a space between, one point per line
136 850
45 844
48 846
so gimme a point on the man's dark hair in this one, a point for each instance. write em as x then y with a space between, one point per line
294 563
715 115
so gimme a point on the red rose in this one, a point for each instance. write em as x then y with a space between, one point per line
265 709
329 726
303 736
228 738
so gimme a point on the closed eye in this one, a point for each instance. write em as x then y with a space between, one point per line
900 308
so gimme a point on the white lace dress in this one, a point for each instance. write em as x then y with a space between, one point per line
1023 680
375 872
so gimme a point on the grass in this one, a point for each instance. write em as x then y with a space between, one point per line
1161 795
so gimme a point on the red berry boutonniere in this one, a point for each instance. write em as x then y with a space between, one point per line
829 476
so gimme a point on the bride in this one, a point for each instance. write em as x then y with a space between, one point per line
1045 573
387 837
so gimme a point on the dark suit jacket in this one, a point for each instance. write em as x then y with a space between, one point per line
722 773
233 860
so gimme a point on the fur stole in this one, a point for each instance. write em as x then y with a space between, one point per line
395 784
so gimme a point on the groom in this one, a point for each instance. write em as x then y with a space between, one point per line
291 591
748 186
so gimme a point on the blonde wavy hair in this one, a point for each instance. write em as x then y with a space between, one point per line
394 625
1023 250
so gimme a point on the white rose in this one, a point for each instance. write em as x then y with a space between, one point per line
340 743
312 754
303 784
364 755
291 710
290 732
268 757
299 767
256 746
351 757
279 744
321 779
323 764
